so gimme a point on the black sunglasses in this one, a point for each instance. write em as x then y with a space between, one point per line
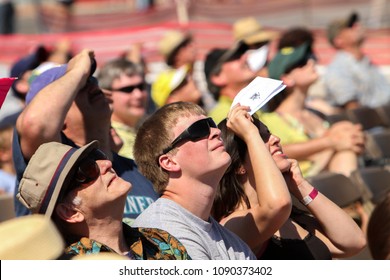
130 89
88 170
194 132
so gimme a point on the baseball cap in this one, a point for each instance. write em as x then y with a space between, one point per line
28 62
336 26
48 175
50 75
288 57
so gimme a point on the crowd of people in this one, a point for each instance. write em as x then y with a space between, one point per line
171 170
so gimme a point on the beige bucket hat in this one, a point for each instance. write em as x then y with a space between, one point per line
49 172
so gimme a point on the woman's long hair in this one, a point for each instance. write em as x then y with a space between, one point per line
230 193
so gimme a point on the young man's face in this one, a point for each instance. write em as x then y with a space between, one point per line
204 157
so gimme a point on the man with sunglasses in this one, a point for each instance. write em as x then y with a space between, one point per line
125 81
180 150
67 106
227 72
81 192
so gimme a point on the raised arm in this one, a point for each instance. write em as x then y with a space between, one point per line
337 229
258 224
43 118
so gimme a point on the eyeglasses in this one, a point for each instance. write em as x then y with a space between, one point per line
88 170
194 132
130 89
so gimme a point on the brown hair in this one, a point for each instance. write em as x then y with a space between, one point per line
378 230
155 134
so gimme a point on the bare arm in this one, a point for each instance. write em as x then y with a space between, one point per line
258 224
43 118
340 136
337 229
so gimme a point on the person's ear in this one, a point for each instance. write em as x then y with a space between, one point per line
68 213
168 163
241 170
288 80
218 79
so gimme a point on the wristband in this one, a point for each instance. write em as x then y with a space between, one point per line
310 197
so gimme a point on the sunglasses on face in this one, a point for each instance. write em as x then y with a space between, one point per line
130 89
88 170
194 132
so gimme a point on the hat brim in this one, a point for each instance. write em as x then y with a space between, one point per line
263 36
67 173
59 181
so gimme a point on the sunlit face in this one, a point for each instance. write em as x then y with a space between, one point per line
187 53
273 144
237 72
306 75
128 107
204 157
103 194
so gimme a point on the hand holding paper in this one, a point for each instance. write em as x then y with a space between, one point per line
5 84
258 93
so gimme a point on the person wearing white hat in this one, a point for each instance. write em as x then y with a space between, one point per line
80 191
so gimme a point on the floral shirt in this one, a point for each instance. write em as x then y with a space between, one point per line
145 244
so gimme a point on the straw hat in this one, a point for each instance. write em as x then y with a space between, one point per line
32 237
171 41
49 172
250 31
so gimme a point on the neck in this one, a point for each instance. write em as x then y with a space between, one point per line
294 102
196 197
109 232
131 122
355 51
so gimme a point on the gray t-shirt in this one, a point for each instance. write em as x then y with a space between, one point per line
203 240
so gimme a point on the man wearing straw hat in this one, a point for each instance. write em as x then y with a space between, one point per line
179 52
80 191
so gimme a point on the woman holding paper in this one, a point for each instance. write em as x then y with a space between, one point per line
247 199
306 136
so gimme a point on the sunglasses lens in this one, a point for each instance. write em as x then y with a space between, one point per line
88 171
130 89
200 129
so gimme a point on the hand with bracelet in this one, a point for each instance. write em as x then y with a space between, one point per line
326 232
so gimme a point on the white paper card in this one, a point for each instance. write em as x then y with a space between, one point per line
258 93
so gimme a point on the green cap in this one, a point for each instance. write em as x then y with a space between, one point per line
286 58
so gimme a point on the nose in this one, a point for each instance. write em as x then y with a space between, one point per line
104 165
274 140
215 132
